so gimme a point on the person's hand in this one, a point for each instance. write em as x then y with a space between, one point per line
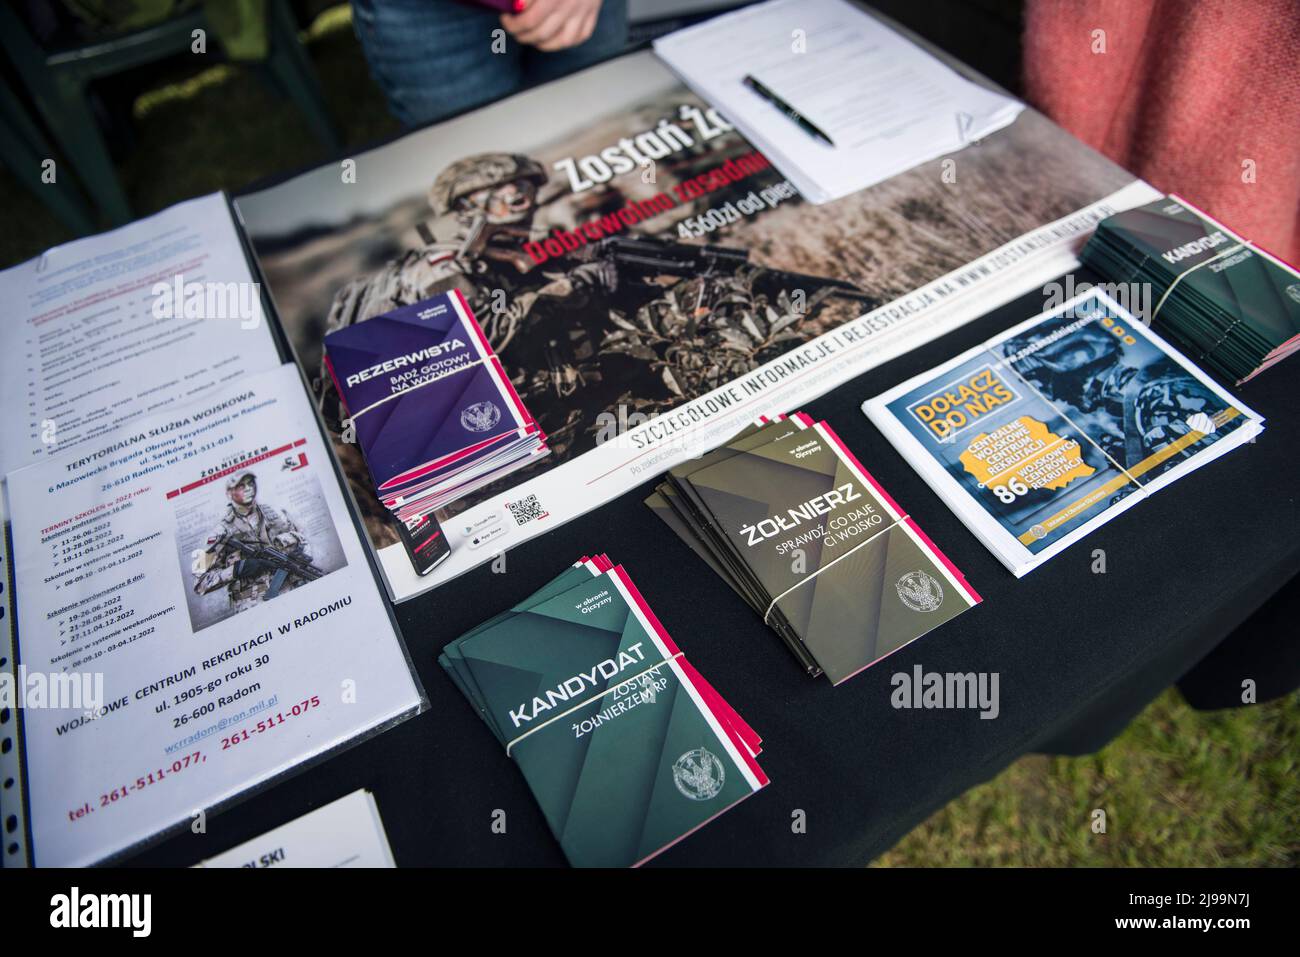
553 24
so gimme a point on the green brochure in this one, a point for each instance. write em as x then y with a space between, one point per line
625 753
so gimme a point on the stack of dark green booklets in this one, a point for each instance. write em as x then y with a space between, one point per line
624 744
1226 304
790 519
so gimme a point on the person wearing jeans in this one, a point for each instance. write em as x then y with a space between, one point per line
435 58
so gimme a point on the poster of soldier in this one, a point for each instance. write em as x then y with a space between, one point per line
289 653
650 281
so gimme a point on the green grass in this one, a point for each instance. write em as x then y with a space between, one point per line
1179 787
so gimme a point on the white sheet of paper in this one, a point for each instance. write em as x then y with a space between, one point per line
83 352
885 103
183 679
344 833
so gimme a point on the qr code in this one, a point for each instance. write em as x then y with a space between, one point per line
526 509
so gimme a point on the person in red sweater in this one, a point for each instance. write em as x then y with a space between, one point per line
1198 98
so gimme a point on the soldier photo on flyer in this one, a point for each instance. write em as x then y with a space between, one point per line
252 535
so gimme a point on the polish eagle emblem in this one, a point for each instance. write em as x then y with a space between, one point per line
480 416
699 774
920 591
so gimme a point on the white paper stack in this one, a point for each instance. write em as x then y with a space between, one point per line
885 103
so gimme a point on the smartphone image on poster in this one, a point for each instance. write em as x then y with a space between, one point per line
424 541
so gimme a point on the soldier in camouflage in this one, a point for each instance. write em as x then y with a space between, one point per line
1130 411
491 200
596 321
224 565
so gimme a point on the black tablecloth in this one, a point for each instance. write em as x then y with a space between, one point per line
1078 654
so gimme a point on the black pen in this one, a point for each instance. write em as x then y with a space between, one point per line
788 110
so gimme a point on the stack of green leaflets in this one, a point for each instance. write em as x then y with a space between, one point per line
1227 305
624 744
793 523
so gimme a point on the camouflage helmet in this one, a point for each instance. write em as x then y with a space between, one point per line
472 173
237 479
